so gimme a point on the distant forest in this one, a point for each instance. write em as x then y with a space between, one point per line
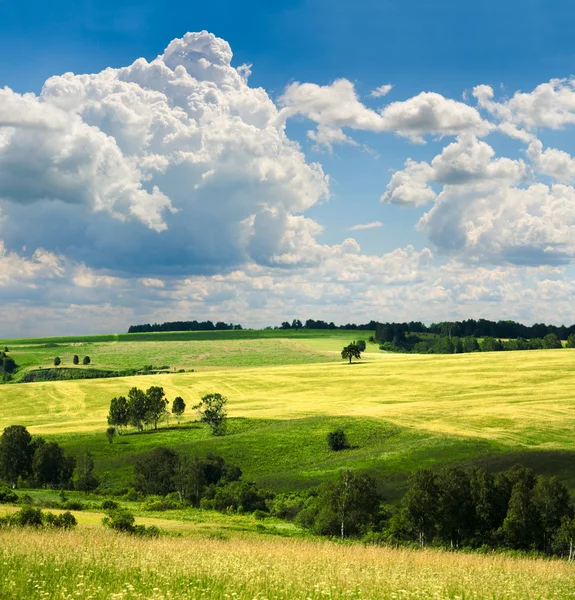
183 326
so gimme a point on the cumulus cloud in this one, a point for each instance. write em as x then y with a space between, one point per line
337 106
550 105
362 226
152 168
465 161
552 162
431 113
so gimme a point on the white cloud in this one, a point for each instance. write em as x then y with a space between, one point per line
431 113
151 168
337 106
362 226
552 162
381 91
465 161
550 105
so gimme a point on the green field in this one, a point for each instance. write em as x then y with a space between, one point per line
401 412
185 350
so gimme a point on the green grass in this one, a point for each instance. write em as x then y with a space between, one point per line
187 350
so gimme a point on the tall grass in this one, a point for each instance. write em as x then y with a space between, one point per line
105 565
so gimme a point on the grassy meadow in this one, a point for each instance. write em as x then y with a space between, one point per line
195 350
401 412
103 566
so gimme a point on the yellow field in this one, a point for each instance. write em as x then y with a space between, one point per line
525 399
104 565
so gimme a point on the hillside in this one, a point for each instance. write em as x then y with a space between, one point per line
401 412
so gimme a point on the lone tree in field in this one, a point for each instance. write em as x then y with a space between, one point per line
57 361
178 407
119 415
16 453
86 360
351 351
76 360
211 409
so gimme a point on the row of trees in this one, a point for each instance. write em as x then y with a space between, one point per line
76 360
457 345
452 508
183 326
146 409
41 463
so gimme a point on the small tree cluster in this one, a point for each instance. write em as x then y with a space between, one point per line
8 366
41 463
209 482
212 412
140 409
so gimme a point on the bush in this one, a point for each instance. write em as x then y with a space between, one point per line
337 440
26 499
8 496
109 505
73 505
64 521
119 519
123 521
132 495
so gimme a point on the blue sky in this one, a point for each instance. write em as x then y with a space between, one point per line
484 231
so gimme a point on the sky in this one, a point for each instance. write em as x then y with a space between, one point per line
258 162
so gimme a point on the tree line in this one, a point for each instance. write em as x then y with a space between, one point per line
183 326
455 345
452 508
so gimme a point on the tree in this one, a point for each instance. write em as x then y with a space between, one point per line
420 505
155 471
490 504
571 341
551 341
521 527
156 403
8 364
351 351
352 501
211 409
86 481
119 415
50 467
361 345
178 407
76 359
57 361
110 433
189 479
16 452
455 510
86 360
296 324
337 440
137 408
551 499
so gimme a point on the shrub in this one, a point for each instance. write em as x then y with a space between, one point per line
8 496
26 499
86 360
337 440
64 521
109 505
132 495
119 519
27 516
73 505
